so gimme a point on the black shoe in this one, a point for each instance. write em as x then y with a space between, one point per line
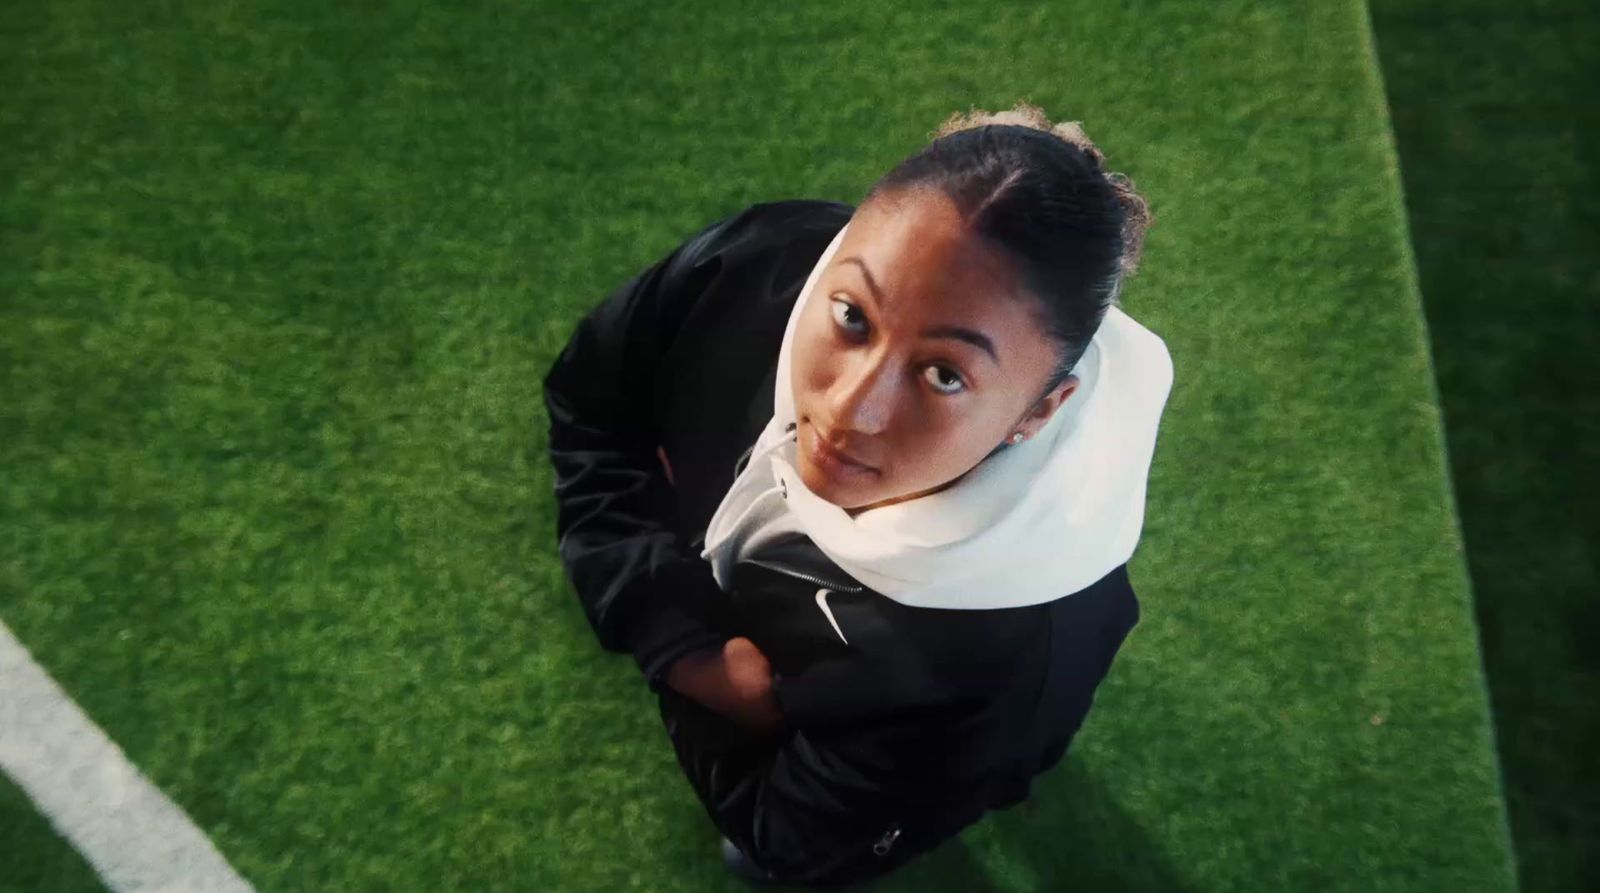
740 864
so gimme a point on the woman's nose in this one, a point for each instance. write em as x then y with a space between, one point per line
862 399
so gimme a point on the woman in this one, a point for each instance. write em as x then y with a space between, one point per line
876 600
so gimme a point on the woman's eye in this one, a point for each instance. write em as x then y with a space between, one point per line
847 307
948 383
943 390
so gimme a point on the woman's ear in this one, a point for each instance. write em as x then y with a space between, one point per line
1047 406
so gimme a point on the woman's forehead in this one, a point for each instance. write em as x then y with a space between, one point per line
922 247
924 282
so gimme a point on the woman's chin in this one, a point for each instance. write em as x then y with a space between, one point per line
826 487
815 481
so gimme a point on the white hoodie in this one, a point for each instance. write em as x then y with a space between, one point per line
1036 521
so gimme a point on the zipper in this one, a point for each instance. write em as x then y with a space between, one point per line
887 840
807 577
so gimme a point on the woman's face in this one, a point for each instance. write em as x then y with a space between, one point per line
878 375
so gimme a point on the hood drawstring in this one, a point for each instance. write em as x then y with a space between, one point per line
790 435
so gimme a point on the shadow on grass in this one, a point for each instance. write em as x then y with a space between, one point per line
1069 835
1499 140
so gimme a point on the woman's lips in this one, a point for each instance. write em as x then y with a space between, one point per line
833 464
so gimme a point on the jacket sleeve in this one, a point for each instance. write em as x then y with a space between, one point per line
833 803
641 590
1082 659
867 753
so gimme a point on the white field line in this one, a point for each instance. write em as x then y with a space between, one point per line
137 839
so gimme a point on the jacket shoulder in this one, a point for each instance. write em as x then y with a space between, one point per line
802 212
761 235
1090 625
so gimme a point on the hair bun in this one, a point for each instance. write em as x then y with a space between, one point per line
1137 215
1072 132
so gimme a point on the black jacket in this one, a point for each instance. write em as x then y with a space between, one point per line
902 727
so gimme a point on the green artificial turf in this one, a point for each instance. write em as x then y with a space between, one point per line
1494 107
279 284
32 857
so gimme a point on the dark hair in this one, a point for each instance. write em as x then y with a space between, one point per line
1039 193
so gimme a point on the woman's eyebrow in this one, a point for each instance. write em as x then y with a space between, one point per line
871 282
959 333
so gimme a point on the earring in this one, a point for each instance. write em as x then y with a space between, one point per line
1017 437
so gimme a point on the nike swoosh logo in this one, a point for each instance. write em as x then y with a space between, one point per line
822 602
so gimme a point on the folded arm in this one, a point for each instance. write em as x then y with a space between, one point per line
642 591
822 802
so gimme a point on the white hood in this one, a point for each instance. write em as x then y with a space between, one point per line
1036 521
